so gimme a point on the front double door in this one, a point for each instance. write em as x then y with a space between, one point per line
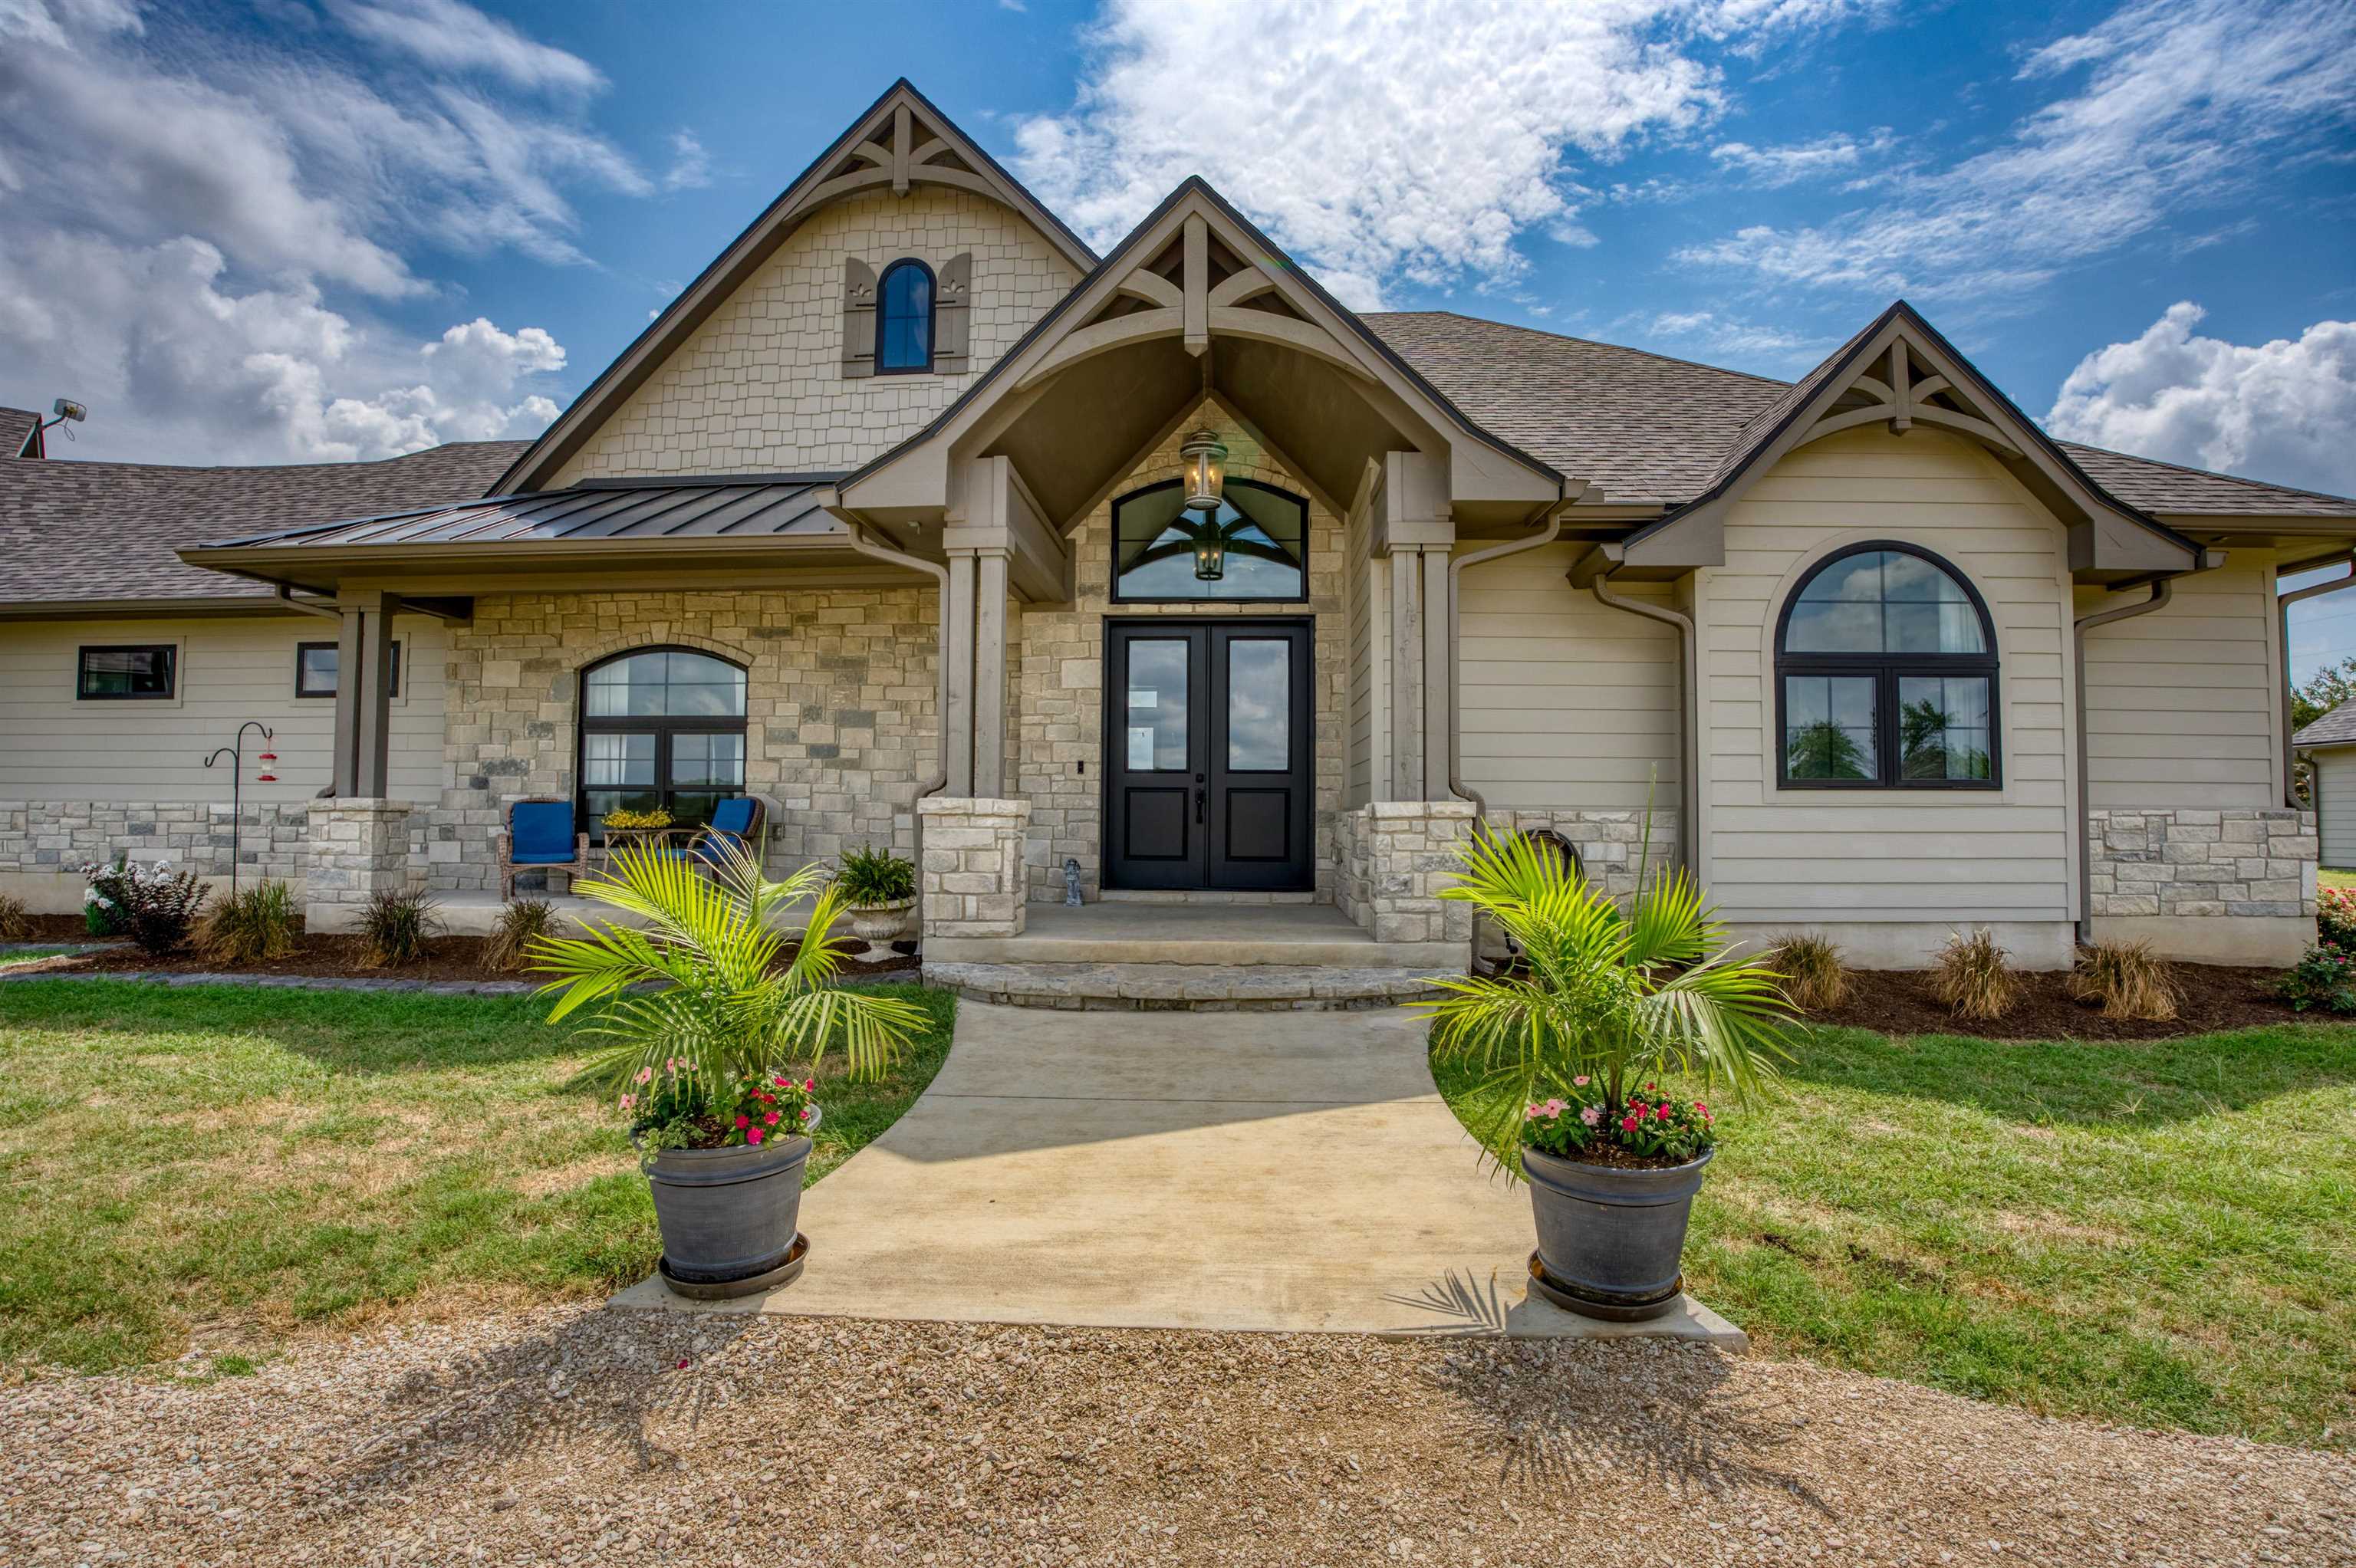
1208 741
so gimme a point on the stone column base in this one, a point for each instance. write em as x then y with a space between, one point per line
1396 855
971 880
358 849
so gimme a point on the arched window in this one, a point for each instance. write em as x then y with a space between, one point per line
1262 533
1885 674
904 319
660 727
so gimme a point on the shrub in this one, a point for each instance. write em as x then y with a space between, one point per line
2324 980
872 877
2335 917
15 925
522 924
255 926
1606 1001
697 997
1813 976
154 903
398 928
2128 980
1972 979
627 819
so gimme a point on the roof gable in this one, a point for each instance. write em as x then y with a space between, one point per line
1899 372
901 141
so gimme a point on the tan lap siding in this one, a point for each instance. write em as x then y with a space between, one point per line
1876 855
2181 709
1567 704
59 747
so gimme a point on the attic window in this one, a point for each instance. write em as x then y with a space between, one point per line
904 319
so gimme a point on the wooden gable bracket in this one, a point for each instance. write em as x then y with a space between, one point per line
1905 402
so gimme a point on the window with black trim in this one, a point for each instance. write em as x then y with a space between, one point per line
1261 534
1886 676
904 319
316 665
660 727
146 671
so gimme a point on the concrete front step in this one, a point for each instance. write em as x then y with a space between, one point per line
1194 988
1223 935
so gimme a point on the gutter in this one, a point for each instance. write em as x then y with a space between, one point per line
1689 786
2282 602
309 606
1456 785
2163 588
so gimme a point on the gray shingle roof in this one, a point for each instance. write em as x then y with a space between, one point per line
2337 727
1639 423
107 530
16 424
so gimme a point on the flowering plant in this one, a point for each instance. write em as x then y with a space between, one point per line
2335 917
1649 1124
672 1111
626 818
2324 979
154 903
1604 1000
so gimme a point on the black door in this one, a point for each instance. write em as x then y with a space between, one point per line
1208 737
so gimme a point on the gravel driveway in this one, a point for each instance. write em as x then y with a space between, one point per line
577 1435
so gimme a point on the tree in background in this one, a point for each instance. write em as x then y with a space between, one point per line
2326 689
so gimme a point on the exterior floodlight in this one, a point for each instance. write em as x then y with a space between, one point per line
1203 455
67 409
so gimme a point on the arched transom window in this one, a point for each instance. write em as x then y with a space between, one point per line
660 727
1886 674
904 319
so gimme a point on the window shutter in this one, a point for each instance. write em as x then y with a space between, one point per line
858 318
952 297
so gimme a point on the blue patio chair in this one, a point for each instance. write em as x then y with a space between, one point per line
741 820
541 836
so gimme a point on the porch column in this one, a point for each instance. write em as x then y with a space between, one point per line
357 849
989 771
1437 698
957 723
364 694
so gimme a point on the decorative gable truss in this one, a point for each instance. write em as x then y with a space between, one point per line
1907 394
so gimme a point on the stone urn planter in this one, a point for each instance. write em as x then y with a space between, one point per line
880 926
1610 1237
729 1216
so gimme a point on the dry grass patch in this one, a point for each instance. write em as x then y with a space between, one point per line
1814 978
1973 977
2129 979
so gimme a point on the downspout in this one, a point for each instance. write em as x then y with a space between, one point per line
867 547
1688 787
2162 587
1456 785
2282 602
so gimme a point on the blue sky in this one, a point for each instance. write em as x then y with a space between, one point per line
297 230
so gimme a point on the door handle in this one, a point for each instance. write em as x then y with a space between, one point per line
1201 795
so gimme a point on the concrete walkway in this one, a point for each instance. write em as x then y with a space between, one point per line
1239 1170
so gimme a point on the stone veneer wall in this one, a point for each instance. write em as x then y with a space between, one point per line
1058 719
358 849
2253 862
970 876
759 385
1394 857
1610 843
840 699
41 837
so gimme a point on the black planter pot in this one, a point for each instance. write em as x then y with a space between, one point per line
728 1214
1610 1239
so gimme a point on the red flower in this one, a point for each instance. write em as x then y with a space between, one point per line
1628 1124
743 1121
780 1081
808 1085
770 1120
752 1137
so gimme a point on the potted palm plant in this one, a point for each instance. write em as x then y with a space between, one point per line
716 1033
1573 1046
881 887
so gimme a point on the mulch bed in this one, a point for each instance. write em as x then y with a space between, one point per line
1899 1001
450 959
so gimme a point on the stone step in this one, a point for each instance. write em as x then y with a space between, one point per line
1211 896
1195 987
1215 935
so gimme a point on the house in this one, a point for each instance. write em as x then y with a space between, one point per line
2329 747
920 518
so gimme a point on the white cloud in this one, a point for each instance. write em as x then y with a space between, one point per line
1797 160
1726 338
1403 138
2185 102
451 36
190 218
690 167
2281 411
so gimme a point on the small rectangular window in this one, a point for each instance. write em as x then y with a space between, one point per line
316 665
127 673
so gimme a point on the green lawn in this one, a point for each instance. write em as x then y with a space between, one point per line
227 1165
2158 1234
2328 878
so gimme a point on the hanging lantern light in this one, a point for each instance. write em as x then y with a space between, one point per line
266 776
1210 551
1204 458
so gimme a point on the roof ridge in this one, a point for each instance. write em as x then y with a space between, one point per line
1589 342
71 465
2204 473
